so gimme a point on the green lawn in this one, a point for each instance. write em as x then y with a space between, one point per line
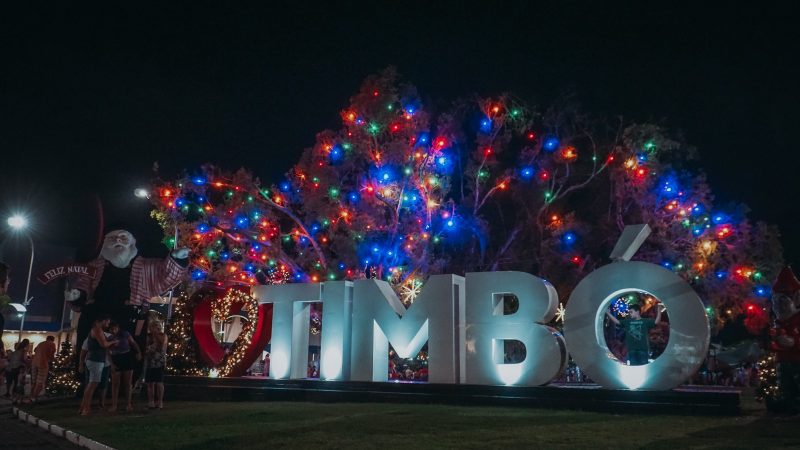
378 425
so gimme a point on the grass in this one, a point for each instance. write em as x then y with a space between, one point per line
225 425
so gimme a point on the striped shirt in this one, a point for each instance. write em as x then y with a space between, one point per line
149 277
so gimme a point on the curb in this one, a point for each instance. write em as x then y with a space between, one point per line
71 436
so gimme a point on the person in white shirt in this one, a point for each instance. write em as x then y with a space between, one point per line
103 385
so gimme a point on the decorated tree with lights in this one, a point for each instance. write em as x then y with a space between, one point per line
402 191
62 379
727 259
396 193
182 351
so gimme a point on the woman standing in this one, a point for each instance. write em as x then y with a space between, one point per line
3 365
156 360
5 280
16 371
95 361
122 360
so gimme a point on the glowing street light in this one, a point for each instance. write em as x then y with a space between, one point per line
19 223
141 193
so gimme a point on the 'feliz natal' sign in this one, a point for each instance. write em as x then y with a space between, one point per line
463 322
67 270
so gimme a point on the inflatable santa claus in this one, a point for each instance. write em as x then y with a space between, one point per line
123 283
786 339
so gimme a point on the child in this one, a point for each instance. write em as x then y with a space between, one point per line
156 360
636 334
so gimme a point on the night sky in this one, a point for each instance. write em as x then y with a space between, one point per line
91 98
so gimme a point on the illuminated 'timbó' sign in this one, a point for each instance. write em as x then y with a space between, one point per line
462 320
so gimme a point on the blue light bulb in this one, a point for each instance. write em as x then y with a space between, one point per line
527 172
486 125
550 144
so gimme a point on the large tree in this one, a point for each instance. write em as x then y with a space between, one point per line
402 191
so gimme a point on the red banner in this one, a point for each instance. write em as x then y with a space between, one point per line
66 270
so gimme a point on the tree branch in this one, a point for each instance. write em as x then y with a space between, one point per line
265 198
505 247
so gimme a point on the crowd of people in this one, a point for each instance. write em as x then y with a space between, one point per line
17 364
745 375
110 355
407 369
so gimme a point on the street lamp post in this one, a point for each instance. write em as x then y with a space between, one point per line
19 223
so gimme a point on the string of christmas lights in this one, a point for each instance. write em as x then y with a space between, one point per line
249 304
182 357
767 389
61 380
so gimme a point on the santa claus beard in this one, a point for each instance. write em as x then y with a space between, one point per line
119 255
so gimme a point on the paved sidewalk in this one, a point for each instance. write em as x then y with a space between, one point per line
15 434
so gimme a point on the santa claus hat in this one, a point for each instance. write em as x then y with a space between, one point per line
786 283
116 225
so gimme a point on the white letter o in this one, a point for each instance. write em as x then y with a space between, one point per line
688 337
